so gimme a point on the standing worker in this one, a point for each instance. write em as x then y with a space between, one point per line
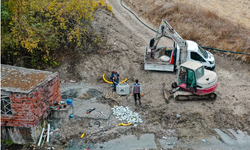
115 79
136 90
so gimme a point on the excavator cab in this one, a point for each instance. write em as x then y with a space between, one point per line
193 77
186 78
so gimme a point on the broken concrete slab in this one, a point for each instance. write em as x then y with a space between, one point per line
168 142
102 111
131 142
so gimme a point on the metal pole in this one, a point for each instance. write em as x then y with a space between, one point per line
48 133
40 140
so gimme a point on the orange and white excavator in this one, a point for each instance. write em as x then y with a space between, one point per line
194 82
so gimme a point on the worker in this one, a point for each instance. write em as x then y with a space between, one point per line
151 46
115 79
136 90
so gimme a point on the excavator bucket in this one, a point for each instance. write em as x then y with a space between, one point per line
166 93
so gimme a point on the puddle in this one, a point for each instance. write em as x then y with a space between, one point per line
225 138
233 140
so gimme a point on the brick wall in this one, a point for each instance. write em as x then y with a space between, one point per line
28 109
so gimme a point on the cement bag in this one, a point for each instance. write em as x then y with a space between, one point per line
164 58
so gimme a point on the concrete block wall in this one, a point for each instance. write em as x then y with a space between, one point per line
28 109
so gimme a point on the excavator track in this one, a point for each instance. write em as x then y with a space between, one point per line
188 96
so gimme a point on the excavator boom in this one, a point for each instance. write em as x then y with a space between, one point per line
165 28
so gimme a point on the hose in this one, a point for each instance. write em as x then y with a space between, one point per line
171 38
103 76
123 124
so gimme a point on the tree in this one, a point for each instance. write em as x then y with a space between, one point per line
34 31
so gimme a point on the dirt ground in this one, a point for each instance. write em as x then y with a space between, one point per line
127 39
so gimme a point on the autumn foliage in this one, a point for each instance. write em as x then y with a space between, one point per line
34 31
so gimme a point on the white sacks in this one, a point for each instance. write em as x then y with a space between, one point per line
164 58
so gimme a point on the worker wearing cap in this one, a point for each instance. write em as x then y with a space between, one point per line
136 90
115 78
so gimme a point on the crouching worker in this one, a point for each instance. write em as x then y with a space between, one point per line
137 91
115 79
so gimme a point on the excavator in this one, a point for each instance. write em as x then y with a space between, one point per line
194 82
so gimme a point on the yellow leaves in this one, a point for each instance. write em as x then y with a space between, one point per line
45 58
109 8
70 38
42 27
102 4
16 53
62 25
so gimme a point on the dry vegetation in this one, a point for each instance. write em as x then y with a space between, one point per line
196 23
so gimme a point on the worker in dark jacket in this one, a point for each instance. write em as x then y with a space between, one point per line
136 90
115 79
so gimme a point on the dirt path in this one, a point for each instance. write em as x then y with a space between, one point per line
128 20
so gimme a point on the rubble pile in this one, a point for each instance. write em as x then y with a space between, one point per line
124 114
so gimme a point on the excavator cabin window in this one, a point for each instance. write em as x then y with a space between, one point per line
183 77
187 79
191 80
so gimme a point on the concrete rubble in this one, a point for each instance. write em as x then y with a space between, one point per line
124 114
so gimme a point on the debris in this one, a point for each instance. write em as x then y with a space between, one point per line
71 116
90 110
97 123
72 81
164 137
203 140
124 114
178 115
52 107
169 143
82 135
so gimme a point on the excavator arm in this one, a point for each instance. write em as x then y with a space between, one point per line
164 28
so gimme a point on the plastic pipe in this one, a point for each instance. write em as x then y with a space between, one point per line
82 135
40 140
48 133
103 76
123 124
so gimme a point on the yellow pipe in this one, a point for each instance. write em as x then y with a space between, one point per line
123 124
103 76
82 135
